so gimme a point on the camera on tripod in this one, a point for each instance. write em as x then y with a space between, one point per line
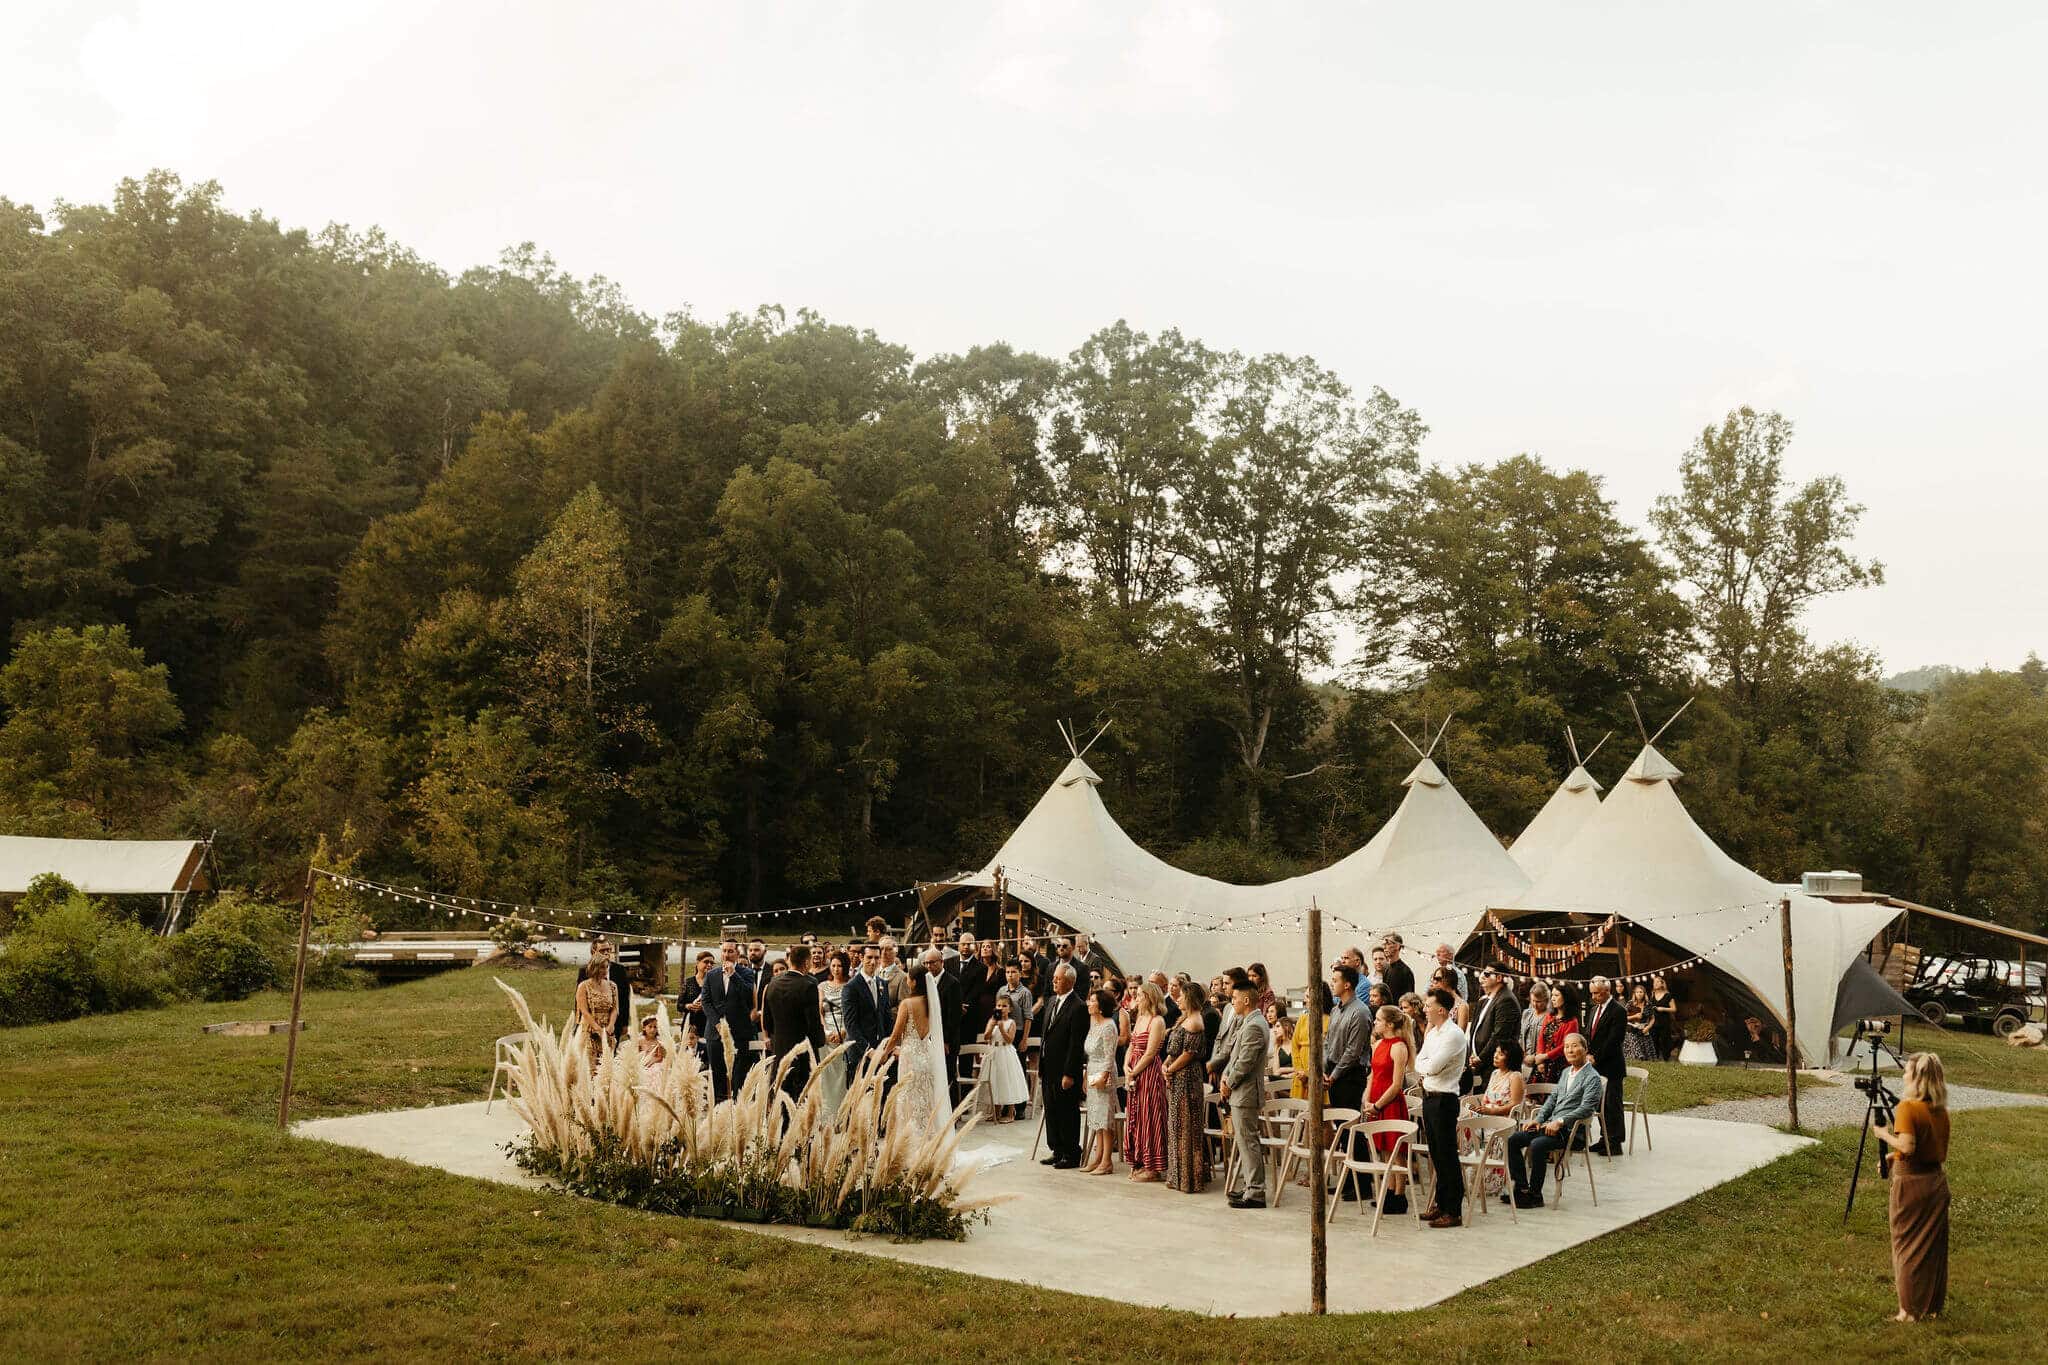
1873 1028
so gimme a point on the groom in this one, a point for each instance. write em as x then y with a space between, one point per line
1062 1067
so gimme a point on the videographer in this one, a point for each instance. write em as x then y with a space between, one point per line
1919 1198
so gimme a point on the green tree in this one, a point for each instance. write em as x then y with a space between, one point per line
91 718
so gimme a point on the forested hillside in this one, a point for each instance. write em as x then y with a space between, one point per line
498 583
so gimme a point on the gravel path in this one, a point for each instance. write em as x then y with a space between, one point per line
1835 1103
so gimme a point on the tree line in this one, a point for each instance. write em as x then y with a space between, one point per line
495 582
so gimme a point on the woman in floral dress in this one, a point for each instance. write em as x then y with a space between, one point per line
1187 1055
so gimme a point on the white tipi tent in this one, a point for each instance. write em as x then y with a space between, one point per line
1641 857
1429 872
1576 800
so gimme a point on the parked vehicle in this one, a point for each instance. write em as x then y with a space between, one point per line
1970 991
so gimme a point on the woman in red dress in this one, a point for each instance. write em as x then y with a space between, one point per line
1392 1050
1145 1099
1551 1031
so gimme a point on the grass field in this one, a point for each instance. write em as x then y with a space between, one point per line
148 1208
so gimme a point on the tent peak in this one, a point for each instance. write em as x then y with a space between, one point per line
1426 773
1578 780
1077 770
1651 766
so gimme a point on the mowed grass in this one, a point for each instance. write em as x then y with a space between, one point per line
149 1209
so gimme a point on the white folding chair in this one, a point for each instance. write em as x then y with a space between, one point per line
1334 1117
968 1070
1637 1106
1280 1123
506 1064
1397 1159
1575 1141
1482 1147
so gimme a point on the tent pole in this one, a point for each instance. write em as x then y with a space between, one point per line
291 1040
1791 1019
1318 1264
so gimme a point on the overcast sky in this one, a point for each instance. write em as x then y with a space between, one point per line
1578 230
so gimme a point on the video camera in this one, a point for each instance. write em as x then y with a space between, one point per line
1873 1028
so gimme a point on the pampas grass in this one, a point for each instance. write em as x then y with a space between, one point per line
657 1140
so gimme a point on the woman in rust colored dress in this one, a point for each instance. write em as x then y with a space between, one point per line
1187 1056
1145 1096
1919 1197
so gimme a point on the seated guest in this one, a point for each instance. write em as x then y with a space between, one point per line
1503 1094
1530 1147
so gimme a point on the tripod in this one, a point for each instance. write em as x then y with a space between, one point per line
1882 1103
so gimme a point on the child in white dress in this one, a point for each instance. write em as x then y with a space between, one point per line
1005 1072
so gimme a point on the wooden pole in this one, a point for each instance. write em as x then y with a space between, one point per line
291 1039
1318 1265
1791 1020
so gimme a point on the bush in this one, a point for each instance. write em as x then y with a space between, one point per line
68 957
236 948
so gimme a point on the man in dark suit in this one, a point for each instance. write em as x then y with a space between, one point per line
952 1022
860 1002
1400 978
1496 1019
729 999
1062 1070
1606 1027
789 1008
622 1017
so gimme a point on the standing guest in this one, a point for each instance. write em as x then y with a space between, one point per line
1664 1009
1037 979
1019 995
1083 947
1243 1088
1099 1055
1446 979
1529 1148
729 1001
757 958
1497 1020
1504 1088
1264 982
1399 979
1344 1054
793 1016
1171 996
860 1009
1386 1094
1411 1005
1376 997
1605 1029
1063 952
1002 1068
1061 1066
1227 1025
1639 1044
1440 1064
1281 1029
1187 1052
980 982
1559 1022
876 927
1145 1101
1211 1012
1352 957
1300 1051
597 1007
1532 1017
1376 970
1919 1198
690 1000
1447 960
832 1001
601 949
653 1056
951 1023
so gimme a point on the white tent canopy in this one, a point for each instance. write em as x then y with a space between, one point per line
1640 856
105 867
1430 872
1576 800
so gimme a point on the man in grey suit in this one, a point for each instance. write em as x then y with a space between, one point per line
1244 1089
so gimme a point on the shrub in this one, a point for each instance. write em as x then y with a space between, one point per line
216 961
68 957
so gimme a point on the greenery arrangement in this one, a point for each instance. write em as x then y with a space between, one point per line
1699 1029
507 587
761 1158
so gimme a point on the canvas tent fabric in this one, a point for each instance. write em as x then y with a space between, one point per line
1576 800
1429 872
1641 857
103 867
1866 995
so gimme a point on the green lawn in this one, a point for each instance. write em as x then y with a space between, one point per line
149 1209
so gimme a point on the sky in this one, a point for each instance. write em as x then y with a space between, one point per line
1583 231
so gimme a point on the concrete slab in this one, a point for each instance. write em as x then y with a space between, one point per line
1030 1239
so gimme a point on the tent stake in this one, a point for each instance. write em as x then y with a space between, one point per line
1318 1264
291 1039
1791 1020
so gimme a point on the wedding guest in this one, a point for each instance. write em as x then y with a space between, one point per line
1530 1147
1411 1005
1165 985
1243 1089
1062 1066
1440 1063
1232 979
1444 978
1504 1088
690 1001
1187 1053
1019 995
1344 1051
1664 1006
653 1056
728 1001
1605 1027
1559 1022
1001 1066
1393 1053
876 927
1300 1051
602 949
1460 983
1532 1016
1264 982
1099 1049
1400 981
597 1006
1639 1043
1376 971
1376 997
1496 1019
1145 1096
792 1016
1919 1133
1281 1029
1212 1013
832 1003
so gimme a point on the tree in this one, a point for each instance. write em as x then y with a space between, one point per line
89 716
1754 553
481 822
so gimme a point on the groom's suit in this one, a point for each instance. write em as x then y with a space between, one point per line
729 1003
861 1003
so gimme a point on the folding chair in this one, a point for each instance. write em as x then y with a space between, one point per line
1575 1141
1397 1160
1637 1106
1297 1149
1483 1147
506 1064
1280 1121
968 1070
1217 1130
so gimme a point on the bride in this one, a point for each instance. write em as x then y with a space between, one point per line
918 1043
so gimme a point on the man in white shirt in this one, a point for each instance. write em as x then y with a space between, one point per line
1440 1062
